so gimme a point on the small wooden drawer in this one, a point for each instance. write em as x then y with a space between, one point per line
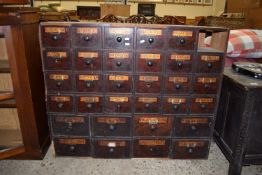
209 63
111 126
90 104
118 61
147 104
149 62
69 125
119 104
203 104
55 36
177 84
75 146
87 36
150 39
89 82
104 148
190 149
88 60
57 58
179 62
118 83
206 84
152 125
119 38
182 39
175 105
151 147
58 81
60 103
148 83
190 126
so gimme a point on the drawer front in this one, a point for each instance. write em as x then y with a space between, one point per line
190 149
192 126
150 39
58 81
177 84
89 37
119 61
149 62
89 104
111 148
206 84
88 60
55 36
70 125
119 38
151 148
152 125
89 82
148 83
119 104
179 62
57 58
147 104
175 105
182 39
203 105
111 126
72 146
208 63
118 83
63 103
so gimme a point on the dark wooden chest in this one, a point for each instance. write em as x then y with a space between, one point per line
126 90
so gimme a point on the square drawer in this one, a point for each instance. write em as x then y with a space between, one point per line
119 38
149 62
88 60
71 125
73 146
152 125
89 104
206 84
118 83
118 61
87 36
57 58
60 103
148 83
175 105
105 148
209 63
190 149
179 62
192 126
58 81
147 104
118 104
111 126
151 147
177 84
181 39
86 82
55 36
203 104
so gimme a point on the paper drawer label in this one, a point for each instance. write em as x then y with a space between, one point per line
57 54
148 78
58 77
190 144
206 80
72 141
210 58
194 120
178 79
111 120
150 32
87 55
120 31
55 30
179 57
153 120
178 33
87 30
89 99
60 98
118 78
150 56
122 55
152 142
70 119
118 99
204 100
112 143
147 100
88 77
176 100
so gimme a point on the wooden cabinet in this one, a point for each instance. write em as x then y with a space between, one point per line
23 122
14 1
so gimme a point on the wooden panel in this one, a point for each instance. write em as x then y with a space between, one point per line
115 9
233 6
253 19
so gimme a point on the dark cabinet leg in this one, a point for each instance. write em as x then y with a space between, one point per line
234 169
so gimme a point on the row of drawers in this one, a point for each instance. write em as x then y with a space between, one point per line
127 83
93 60
127 148
195 104
140 125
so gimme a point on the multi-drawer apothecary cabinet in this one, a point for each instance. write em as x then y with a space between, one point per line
126 90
